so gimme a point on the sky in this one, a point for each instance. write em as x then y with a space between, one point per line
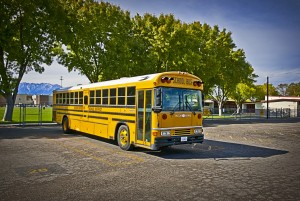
267 30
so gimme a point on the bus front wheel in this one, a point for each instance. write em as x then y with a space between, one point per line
124 138
65 125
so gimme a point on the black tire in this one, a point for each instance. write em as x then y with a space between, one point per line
65 126
124 138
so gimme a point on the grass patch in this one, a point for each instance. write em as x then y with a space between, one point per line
31 114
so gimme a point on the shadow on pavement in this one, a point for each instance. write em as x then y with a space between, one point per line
33 132
218 150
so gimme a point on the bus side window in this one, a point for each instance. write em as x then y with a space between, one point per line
86 100
76 98
130 95
105 96
80 97
121 96
92 96
98 97
112 97
72 98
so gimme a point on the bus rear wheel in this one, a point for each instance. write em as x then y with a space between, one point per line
124 138
65 126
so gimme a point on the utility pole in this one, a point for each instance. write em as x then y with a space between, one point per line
267 97
61 79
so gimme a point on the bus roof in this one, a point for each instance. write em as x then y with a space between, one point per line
124 80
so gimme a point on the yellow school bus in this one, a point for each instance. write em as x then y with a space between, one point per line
150 111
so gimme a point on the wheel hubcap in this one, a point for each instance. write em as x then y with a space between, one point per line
123 137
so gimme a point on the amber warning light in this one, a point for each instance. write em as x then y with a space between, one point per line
197 83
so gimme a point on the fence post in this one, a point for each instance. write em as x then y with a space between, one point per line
20 114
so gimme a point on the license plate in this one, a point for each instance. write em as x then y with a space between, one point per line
184 139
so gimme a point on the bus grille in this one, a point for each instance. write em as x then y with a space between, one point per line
182 132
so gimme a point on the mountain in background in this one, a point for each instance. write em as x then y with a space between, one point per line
37 88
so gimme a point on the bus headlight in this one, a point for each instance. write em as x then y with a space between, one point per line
198 131
165 133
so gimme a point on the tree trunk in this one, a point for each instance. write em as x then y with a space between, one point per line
220 109
238 108
9 108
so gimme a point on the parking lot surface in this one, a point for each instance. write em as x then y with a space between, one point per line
255 160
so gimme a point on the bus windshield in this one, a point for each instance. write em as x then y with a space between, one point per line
176 99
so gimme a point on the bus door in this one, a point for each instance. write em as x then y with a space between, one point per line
86 126
85 105
144 117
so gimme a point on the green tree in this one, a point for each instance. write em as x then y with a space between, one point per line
282 89
26 40
241 94
231 67
261 91
96 43
293 89
163 41
201 55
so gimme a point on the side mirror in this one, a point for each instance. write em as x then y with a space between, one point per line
156 109
157 105
158 97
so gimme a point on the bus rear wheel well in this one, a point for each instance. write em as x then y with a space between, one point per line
117 128
66 125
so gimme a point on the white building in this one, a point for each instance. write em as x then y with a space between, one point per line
283 104
24 99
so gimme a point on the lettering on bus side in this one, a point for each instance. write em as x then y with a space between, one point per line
98 109
178 80
189 81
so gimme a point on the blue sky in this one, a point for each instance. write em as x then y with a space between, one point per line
267 30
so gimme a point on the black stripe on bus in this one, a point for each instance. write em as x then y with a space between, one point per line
97 112
69 110
78 115
96 117
112 106
124 120
113 113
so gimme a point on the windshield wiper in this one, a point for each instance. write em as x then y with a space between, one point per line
174 108
190 107
178 104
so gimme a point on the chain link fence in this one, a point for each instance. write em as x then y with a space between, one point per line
29 114
251 113
39 114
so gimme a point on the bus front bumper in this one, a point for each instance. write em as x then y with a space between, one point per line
176 140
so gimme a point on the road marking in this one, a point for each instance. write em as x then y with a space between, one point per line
40 170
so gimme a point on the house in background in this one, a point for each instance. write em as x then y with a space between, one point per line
286 104
229 106
42 100
279 106
46 100
24 99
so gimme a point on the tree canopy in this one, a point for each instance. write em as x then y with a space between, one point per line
292 89
95 41
26 42
104 42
